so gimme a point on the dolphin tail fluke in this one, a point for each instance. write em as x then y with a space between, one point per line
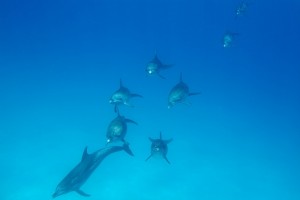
165 157
136 95
148 157
82 193
126 148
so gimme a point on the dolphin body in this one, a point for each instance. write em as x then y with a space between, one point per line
82 171
179 93
122 97
228 38
160 147
241 9
117 129
155 66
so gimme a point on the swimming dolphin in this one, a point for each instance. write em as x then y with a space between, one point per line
179 93
228 39
89 162
155 66
160 147
117 128
122 97
241 9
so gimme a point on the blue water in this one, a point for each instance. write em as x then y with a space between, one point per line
61 60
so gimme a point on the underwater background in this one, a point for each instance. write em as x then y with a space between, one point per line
239 139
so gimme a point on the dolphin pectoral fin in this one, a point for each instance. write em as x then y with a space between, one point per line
194 93
186 103
136 95
165 157
124 141
130 121
149 157
82 193
166 66
168 141
162 77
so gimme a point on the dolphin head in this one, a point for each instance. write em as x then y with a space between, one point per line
151 68
227 40
60 190
158 146
116 98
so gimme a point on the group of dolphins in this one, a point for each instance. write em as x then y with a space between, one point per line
117 130
228 38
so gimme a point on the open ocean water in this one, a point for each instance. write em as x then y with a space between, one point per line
60 61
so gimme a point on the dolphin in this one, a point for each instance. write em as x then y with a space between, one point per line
241 9
117 128
82 171
228 39
122 97
159 146
155 66
179 93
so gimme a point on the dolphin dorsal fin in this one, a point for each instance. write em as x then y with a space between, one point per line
84 154
155 59
180 79
160 136
121 84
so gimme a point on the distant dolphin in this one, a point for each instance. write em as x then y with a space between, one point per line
155 66
122 97
228 39
117 128
241 9
160 147
89 162
179 93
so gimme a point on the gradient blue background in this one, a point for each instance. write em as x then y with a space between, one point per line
61 60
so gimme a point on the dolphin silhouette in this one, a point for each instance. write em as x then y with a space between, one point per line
155 66
122 97
117 128
82 171
160 147
179 93
241 9
228 38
